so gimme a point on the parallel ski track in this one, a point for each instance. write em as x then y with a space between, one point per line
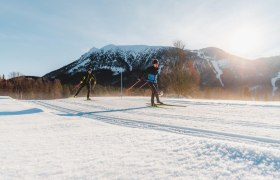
223 104
182 117
162 127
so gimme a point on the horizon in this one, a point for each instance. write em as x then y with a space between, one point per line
37 37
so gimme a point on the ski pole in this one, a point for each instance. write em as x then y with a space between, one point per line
78 85
133 85
143 85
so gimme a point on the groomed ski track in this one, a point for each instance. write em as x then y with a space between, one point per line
173 119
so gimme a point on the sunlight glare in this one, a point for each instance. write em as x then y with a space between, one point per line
245 41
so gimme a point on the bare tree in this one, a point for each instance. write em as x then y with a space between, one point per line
57 89
179 75
179 44
15 74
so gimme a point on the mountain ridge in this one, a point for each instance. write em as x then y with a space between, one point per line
216 67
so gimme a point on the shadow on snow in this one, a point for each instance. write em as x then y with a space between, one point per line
23 112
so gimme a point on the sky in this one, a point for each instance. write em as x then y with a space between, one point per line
39 36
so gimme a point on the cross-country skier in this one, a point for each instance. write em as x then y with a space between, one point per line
86 81
150 75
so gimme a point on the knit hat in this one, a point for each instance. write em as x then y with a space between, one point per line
155 61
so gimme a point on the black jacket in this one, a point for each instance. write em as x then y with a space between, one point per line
88 78
150 74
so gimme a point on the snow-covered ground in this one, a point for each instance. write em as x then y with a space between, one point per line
114 138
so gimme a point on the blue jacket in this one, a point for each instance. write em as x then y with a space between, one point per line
151 74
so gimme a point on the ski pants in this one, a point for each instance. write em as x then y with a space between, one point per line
82 86
154 89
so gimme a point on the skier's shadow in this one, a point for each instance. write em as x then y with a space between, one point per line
22 112
3 97
103 111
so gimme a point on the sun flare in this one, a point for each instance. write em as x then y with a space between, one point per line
245 41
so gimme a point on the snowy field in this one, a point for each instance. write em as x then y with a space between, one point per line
114 138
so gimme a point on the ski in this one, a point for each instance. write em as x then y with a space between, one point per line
175 105
156 106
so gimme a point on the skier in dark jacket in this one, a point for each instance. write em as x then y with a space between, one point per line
87 79
150 75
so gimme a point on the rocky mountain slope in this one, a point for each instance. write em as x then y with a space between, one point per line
216 68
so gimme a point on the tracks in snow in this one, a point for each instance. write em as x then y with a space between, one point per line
138 123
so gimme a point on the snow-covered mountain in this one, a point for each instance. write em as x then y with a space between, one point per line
115 58
108 62
215 67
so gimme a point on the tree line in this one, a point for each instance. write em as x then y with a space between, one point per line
22 87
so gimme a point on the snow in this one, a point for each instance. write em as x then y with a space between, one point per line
79 65
123 138
134 50
273 83
217 71
87 54
125 50
217 64
115 70
129 48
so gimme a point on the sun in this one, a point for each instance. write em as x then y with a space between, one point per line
245 41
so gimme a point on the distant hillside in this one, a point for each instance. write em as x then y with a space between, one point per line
216 68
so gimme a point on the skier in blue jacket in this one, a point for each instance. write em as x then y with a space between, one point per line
150 75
